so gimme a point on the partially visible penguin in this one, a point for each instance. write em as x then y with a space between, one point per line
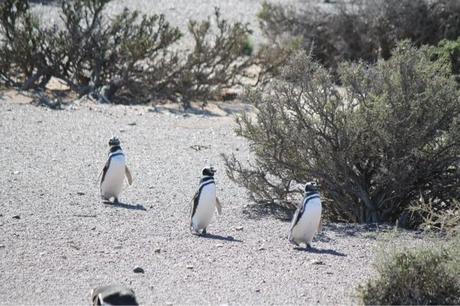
113 295
306 221
204 202
114 172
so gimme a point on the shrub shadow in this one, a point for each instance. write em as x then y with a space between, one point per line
263 210
126 206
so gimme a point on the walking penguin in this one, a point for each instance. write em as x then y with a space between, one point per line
114 172
204 202
306 220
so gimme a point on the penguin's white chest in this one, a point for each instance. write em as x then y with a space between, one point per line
113 180
205 208
307 226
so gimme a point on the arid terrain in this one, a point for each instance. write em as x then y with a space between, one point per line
58 240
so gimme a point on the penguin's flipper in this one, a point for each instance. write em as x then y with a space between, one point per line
104 171
128 175
194 205
295 218
219 207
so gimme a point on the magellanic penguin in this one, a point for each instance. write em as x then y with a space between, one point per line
114 172
113 295
306 221
204 202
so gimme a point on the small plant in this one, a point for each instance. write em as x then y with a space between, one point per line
422 276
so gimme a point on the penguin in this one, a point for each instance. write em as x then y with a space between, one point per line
306 220
204 202
113 295
114 172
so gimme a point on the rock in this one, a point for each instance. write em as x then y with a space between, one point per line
239 228
220 245
316 262
257 290
80 193
261 248
122 130
16 172
157 250
17 217
117 247
190 267
138 270
132 123
2 246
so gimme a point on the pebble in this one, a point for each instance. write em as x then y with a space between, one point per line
138 270
157 250
80 193
132 123
17 217
219 245
189 267
316 262
261 249
239 228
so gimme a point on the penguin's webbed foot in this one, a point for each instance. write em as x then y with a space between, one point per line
203 232
293 242
115 200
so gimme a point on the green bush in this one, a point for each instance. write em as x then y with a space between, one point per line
386 137
362 30
422 276
128 58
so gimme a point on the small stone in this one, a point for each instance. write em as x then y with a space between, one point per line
17 217
132 123
316 262
239 228
330 273
2 246
190 267
122 130
261 249
117 247
138 270
219 245
80 193
157 250
257 290
16 172
93 228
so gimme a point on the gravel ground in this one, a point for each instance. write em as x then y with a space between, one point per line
58 240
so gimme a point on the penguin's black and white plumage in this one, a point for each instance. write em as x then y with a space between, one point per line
204 202
114 172
113 295
306 220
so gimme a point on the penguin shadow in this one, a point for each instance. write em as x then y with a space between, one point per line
320 251
219 237
125 205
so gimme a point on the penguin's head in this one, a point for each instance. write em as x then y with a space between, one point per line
208 171
114 141
311 187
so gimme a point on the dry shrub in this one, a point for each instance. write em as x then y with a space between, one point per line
378 143
128 58
421 276
362 29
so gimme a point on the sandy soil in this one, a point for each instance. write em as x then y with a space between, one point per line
58 240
